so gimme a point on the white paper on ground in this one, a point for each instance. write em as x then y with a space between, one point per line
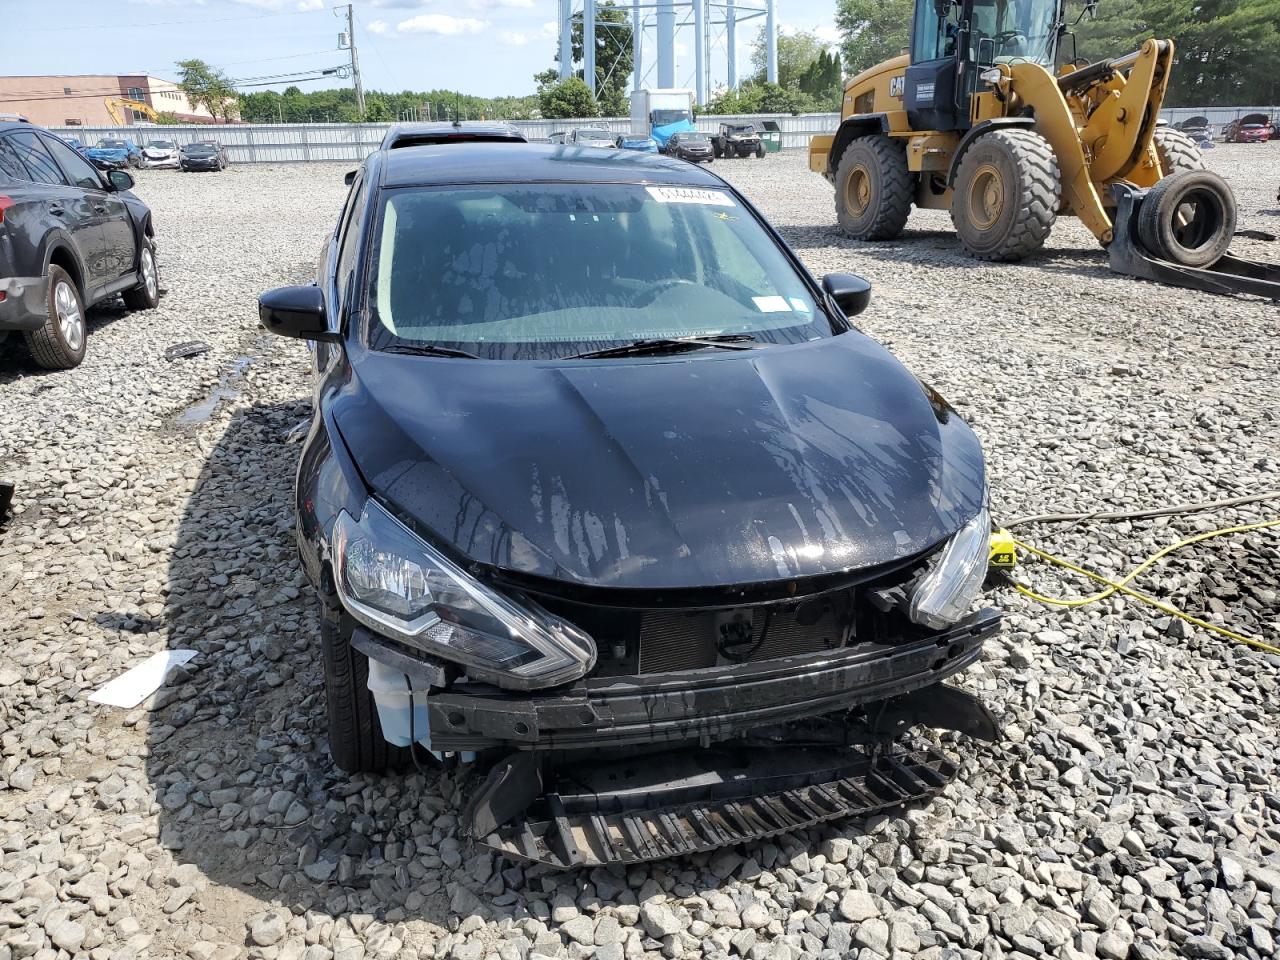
137 683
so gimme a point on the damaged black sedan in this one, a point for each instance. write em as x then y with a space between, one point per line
607 500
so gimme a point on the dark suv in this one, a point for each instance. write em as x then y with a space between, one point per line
70 237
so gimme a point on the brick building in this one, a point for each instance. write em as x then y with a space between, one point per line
81 100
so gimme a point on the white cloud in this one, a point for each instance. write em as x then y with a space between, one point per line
440 24
378 26
827 33
511 4
513 38
549 31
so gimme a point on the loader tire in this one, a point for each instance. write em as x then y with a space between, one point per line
1177 151
356 743
874 189
1006 195
1188 218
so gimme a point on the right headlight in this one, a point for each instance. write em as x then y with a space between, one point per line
943 595
394 582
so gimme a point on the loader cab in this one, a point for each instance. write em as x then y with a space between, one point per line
953 41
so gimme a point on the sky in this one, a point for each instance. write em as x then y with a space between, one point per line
482 47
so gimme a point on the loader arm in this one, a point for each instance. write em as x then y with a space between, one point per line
1118 132
1037 89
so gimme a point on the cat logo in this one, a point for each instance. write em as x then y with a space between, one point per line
896 85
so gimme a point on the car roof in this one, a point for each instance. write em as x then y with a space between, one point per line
540 162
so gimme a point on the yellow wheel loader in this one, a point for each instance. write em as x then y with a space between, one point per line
978 119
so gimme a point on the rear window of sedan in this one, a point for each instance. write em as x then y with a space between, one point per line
545 271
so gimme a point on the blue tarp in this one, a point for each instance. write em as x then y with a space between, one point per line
663 134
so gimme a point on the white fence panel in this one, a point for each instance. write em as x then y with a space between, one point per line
352 142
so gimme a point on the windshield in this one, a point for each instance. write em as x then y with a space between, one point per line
743 128
546 271
1008 31
112 144
595 135
199 149
662 118
694 138
160 145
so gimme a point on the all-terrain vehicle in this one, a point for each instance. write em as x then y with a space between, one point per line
738 140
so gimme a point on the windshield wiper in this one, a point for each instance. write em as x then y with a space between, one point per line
659 345
429 350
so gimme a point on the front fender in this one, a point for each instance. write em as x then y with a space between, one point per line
327 483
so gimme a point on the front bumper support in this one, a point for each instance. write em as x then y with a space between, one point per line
719 800
705 705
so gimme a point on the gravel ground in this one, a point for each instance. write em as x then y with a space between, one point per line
1132 810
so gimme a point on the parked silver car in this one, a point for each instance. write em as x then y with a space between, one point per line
160 153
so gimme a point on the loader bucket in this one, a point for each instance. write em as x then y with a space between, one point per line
1229 274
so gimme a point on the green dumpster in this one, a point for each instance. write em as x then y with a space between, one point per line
771 136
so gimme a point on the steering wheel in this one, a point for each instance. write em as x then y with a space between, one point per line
1004 37
661 287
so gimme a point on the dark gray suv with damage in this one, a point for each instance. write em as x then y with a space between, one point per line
70 237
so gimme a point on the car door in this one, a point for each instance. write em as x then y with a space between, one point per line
70 206
119 239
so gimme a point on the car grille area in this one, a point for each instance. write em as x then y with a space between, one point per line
672 640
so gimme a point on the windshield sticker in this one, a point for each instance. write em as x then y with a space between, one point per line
798 305
706 198
772 304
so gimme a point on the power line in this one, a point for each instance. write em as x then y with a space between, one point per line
266 80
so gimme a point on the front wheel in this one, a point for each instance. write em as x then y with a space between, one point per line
1006 195
760 152
1176 151
355 734
60 343
146 295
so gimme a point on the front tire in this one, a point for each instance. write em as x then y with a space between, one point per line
60 343
1006 195
760 152
146 295
1177 151
355 735
874 189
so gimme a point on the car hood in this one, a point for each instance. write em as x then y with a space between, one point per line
704 471
107 152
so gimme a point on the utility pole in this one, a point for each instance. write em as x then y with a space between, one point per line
347 41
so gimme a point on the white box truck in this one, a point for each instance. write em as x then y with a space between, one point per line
660 113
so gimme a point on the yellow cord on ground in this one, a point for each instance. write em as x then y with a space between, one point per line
1120 586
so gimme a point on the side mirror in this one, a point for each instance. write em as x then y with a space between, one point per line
120 180
941 8
851 293
295 312
349 177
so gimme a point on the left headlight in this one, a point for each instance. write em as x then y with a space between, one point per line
943 595
394 582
